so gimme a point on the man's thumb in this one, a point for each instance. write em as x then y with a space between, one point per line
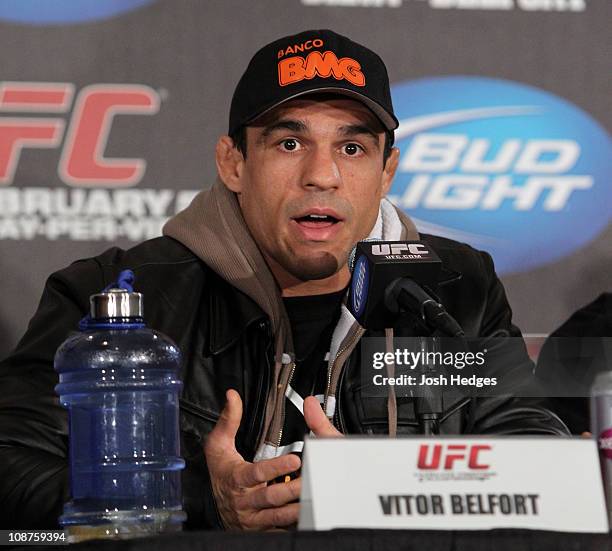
316 420
229 421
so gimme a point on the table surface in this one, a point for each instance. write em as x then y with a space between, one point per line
362 540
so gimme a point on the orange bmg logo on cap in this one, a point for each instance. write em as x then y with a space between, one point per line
326 64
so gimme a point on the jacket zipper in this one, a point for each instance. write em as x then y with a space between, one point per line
348 345
338 415
282 426
263 387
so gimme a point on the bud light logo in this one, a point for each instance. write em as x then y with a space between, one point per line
503 166
57 12
359 289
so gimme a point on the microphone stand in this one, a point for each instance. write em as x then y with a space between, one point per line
407 295
428 407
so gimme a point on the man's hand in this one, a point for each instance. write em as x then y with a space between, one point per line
244 501
316 419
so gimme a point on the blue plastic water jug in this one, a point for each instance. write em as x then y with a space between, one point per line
119 381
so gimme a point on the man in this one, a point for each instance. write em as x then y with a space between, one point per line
572 357
249 282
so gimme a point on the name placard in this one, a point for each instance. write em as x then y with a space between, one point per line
453 483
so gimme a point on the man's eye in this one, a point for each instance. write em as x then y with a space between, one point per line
352 149
290 144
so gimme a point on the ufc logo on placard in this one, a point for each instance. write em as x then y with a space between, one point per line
445 456
82 161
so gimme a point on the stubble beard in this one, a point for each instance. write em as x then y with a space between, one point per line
312 267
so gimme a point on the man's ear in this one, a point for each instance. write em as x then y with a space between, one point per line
389 170
230 163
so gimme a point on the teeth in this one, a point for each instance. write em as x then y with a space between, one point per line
318 218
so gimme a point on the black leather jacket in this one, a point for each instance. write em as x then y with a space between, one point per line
226 343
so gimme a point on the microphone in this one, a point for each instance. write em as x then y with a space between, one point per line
391 277
410 296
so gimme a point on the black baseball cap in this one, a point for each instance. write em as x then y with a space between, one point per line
308 62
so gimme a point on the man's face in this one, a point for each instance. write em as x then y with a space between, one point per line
311 184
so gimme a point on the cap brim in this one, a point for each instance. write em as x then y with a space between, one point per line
389 121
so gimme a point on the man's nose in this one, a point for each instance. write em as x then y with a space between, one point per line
321 170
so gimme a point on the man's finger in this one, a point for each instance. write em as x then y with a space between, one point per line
252 474
316 419
278 516
275 495
227 426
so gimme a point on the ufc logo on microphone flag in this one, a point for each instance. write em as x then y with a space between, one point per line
398 248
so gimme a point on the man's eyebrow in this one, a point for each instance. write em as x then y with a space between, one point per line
283 124
359 129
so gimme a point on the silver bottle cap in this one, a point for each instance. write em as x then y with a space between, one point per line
116 303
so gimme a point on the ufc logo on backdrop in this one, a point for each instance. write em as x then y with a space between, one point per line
444 456
82 161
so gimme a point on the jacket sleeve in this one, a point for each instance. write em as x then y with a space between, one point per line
34 478
517 410
33 425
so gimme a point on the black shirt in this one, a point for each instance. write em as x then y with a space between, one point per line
313 320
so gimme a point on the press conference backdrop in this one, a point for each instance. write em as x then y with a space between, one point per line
110 109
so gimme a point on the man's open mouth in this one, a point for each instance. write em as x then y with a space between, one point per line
317 220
